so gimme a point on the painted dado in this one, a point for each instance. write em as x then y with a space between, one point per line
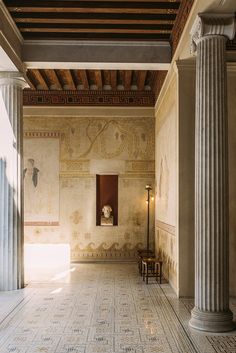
62 156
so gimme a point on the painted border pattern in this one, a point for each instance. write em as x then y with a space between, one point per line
85 98
42 134
41 224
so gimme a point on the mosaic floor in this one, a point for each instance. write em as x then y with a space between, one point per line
101 308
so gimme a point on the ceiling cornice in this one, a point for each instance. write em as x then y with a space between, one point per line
11 22
86 54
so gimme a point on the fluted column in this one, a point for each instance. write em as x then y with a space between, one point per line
11 200
211 311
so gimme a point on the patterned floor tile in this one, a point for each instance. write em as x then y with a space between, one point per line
11 348
103 308
70 348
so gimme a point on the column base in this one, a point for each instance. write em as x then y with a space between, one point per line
212 321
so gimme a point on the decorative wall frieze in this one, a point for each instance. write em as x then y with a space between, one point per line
140 166
166 227
144 175
42 134
85 98
210 24
105 252
74 175
74 166
41 224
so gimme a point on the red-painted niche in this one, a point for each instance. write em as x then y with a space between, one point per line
107 194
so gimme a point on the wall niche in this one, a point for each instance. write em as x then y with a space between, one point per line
106 195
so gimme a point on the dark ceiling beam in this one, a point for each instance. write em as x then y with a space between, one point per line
32 81
80 79
66 79
84 79
51 78
76 54
127 79
38 80
22 2
106 77
168 8
113 79
91 21
98 79
150 78
141 79
94 30
121 78
73 81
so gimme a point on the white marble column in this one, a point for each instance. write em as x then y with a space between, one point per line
211 311
11 200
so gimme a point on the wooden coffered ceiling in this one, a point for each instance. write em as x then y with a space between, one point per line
150 21
93 87
102 20
107 80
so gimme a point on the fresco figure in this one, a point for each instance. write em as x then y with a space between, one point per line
32 171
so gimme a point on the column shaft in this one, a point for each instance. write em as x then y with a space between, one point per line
211 312
11 200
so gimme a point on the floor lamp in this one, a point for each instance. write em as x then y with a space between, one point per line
148 188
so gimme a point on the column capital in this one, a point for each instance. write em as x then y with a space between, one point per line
212 24
13 78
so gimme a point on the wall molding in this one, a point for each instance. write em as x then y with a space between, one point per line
166 227
41 224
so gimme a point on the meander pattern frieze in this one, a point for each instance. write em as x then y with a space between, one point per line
88 98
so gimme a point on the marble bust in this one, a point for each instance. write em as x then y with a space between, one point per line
106 218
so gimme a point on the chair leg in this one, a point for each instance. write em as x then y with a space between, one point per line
156 269
160 272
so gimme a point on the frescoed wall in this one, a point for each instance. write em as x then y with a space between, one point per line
166 184
68 152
